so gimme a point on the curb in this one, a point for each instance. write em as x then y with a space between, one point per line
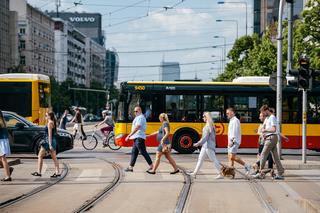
301 166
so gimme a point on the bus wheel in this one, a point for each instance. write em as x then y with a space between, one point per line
184 142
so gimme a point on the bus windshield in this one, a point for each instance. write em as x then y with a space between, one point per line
16 97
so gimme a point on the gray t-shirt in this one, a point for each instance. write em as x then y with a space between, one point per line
162 132
109 121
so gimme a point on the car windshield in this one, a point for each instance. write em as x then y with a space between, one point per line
20 118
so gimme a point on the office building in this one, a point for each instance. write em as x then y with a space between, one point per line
169 71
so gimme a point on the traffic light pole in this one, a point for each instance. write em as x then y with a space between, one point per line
304 126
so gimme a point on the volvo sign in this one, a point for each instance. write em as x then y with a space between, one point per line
82 19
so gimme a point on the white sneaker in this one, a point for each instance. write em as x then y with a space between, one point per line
257 176
192 174
219 177
248 169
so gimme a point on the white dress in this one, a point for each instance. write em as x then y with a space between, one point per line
4 143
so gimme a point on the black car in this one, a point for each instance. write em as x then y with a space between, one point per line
25 136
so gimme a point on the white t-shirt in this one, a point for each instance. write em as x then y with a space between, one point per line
234 130
269 122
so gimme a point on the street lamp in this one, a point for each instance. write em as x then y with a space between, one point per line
225 51
228 20
239 2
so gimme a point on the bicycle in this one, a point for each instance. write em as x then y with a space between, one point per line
91 141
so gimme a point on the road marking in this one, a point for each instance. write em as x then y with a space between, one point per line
91 175
290 191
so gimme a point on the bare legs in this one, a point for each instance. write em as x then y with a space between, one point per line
5 166
233 158
41 154
169 158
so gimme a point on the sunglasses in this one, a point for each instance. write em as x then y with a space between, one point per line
135 111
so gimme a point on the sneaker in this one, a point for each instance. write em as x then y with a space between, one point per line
128 169
257 176
6 179
278 177
247 168
192 174
219 177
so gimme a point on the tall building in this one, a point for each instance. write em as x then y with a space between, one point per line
112 67
96 55
88 23
70 53
266 13
5 58
36 38
169 71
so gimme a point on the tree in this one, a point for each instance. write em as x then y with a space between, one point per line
307 34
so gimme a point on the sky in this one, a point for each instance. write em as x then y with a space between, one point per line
146 32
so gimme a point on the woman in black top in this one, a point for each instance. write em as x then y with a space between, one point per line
49 145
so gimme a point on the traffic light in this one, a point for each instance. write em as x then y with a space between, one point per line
304 78
295 74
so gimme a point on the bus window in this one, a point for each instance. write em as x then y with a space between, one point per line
246 107
182 107
215 105
44 95
290 108
314 110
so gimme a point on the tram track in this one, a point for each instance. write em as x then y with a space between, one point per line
41 188
89 204
258 190
185 191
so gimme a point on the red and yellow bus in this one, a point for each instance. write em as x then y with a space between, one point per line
25 94
185 102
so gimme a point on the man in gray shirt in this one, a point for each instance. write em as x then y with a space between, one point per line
138 135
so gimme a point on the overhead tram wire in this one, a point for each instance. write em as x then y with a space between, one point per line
181 64
164 9
125 7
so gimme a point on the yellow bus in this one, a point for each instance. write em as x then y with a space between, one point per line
185 102
25 94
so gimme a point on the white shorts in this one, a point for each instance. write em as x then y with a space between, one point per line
233 149
76 127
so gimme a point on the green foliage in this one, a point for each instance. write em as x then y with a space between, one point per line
254 56
63 98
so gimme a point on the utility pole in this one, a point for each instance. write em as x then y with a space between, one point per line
279 68
58 4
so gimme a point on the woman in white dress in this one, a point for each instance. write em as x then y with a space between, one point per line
4 149
208 143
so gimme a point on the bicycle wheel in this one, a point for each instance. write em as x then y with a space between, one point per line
112 142
90 143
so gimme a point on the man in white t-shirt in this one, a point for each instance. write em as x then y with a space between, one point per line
234 139
270 135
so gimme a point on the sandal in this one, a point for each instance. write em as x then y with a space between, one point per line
36 174
174 172
151 172
55 175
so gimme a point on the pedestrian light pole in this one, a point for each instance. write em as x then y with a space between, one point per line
238 2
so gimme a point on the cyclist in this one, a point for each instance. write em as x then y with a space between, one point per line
108 121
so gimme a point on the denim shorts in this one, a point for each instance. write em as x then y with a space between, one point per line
46 146
159 149
234 148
